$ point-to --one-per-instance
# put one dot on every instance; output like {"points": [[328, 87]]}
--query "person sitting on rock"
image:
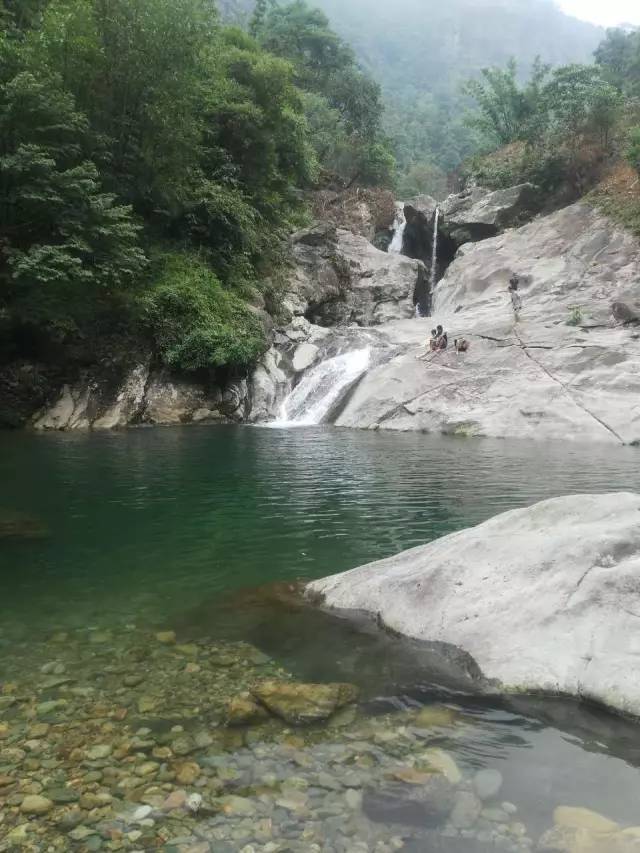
{"points": [[442, 341], [433, 340], [461, 345]]}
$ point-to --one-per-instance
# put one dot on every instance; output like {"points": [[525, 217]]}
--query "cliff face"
{"points": [[567, 365], [560, 362]]}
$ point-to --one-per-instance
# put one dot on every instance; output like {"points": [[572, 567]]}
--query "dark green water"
{"points": [[146, 524], [162, 528]]}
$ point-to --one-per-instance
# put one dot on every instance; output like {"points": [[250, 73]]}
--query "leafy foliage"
{"points": [[422, 52], [126, 124], [196, 322], [344, 106], [633, 150], [557, 123], [619, 57]]}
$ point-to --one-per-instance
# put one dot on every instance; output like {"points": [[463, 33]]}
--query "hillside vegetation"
{"points": [[152, 160], [422, 52], [567, 129]]}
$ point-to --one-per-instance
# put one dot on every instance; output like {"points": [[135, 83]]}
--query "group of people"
{"points": [[439, 341]]}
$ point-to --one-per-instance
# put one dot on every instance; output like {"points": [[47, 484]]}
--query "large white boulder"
{"points": [[545, 598]]}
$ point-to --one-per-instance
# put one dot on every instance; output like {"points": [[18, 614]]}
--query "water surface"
{"points": [[176, 527]]}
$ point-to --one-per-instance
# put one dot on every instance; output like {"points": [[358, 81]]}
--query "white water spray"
{"points": [[434, 250], [313, 398], [399, 225]]}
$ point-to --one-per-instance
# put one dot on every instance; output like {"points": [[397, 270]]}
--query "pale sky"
{"points": [[607, 13]]}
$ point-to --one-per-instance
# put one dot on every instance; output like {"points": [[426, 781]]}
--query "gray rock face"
{"points": [[340, 279], [479, 213], [534, 375], [142, 396], [544, 599]]}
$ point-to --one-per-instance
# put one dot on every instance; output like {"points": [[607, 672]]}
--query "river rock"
{"points": [[466, 810], [428, 804], [35, 804], [487, 783], [243, 710], [565, 567], [298, 704], [580, 818]]}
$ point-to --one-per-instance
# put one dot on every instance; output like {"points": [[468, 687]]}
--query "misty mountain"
{"points": [[421, 51]]}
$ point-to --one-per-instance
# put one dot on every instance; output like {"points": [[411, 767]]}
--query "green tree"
{"points": [[196, 323], [577, 103], [633, 149], [351, 109], [65, 242], [619, 58], [507, 111]]}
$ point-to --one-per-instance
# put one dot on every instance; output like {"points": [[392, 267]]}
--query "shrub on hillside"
{"points": [[195, 322], [633, 151]]}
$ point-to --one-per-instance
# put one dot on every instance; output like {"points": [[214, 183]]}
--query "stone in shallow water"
{"points": [[487, 783], [35, 804], [413, 805], [61, 796], [99, 751], [243, 710], [438, 759], [466, 810], [436, 716], [298, 704], [578, 818]]}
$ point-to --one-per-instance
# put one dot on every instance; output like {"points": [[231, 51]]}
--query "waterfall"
{"points": [[313, 398], [399, 224], [434, 250]]}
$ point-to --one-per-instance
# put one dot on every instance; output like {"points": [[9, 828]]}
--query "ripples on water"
{"points": [[165, 517]]}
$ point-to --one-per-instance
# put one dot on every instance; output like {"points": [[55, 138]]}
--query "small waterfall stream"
{"points": [[434, 250], [313, 398], [399, 225]]}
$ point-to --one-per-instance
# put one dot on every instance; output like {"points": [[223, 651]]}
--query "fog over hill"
{"points": [[421, 51]]}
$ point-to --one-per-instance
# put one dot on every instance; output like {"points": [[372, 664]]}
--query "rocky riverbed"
{"points": [[127, 740]]}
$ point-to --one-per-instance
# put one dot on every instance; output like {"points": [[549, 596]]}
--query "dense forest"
{"points": [[154, 156], [423, 52], [152, 159]]}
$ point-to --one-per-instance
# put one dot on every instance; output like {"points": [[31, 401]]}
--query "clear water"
{"points": [[154, 521], [170, 527]]}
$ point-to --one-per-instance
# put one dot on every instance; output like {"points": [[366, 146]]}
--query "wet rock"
{"points": [[36, 805], [579, 818], [243, 710], [298, 704], [436, 716], [439, 760], [175, 800], [487, 783], [428, 804], [466, 810], [62, 796], [166, 637], [99, 751], [188, 773]]}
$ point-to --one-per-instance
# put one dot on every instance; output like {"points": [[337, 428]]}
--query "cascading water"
{"points": [[434, 250], [313, 398], [399, 225]]}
